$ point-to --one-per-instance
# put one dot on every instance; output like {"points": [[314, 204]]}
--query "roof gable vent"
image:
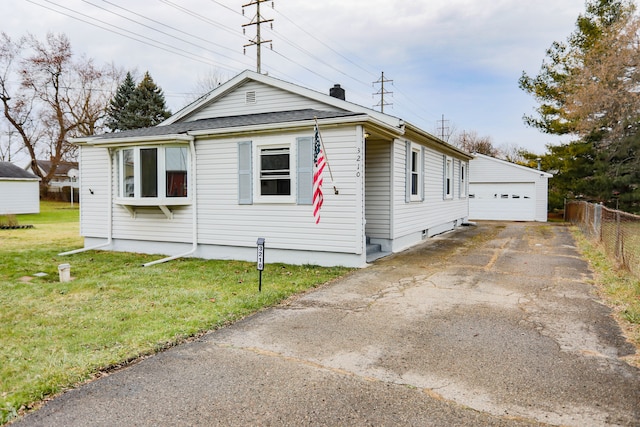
{"points": [[250, 97]]}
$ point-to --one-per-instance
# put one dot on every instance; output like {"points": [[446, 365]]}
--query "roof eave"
{"points": [[515, 165], [272, 127], [140, 140], [437, 142]]}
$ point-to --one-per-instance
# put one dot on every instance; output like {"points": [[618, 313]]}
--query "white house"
{"points": [[65, 176], [501, 190], [237, 165], [19, 190]]}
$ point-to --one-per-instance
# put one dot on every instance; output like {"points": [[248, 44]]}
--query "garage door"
{"points": [[502, 201]]}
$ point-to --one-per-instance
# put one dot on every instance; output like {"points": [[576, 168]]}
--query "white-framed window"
{"points": [[463, 179], [448, 177], [415, 173], [150, 172], [275, 171]]}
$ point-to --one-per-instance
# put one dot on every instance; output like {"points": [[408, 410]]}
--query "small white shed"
{"points": [[19, 190], [501, 190]]}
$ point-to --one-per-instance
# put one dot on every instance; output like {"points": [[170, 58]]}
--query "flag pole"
{"points": [[326, 159]]}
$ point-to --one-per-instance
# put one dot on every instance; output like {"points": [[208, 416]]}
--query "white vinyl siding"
{"points": [[19, 196], [434, 212], [378, 189], [94, 166], [146, 222], [267, 100], [542, 199], [221, 221]]}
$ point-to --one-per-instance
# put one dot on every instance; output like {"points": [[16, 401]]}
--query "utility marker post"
{"points": [[260, 262]]}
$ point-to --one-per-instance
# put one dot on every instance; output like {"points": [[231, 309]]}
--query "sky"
{"points": [[457, 60]]}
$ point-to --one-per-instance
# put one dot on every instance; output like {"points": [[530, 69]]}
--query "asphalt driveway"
{"points": [[489, 325]]}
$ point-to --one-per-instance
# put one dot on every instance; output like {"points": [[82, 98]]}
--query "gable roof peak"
{"points": [[248, 75]]}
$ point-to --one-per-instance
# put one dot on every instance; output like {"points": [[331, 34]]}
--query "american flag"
{"points": [[319, 163]]}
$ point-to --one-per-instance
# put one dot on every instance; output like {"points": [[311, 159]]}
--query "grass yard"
{"points": [[618, 288], [55, 335]]}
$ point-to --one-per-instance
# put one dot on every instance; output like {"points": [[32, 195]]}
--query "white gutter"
{"points": [[138, 140], [194, 216], [109, 216]]}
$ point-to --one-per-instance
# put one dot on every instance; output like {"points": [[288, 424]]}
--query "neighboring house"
{"points": [[19, 190], [501, 190], [66, 174], [237, 165]]}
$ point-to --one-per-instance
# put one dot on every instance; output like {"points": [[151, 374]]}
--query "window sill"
{"points": [[274, 200], [163, 204]]}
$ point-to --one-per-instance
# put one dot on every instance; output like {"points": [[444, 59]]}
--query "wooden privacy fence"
{"points": [[619, 232]]}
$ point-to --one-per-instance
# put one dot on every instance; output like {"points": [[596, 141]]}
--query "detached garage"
{"points": [[19, 190], [501, 190]]}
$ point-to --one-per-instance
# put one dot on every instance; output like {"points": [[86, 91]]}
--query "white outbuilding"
{"points": [[501, 190], [19, 190]]}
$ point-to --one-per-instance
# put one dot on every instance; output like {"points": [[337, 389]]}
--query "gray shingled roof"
{"points": [[230, 122], [9, 170], [61, 170]]}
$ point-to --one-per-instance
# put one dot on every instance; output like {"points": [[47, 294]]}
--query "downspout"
{"points": [[194, 206], [109, 214]]}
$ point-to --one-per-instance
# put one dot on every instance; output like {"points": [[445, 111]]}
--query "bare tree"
{"points": [[48, 97], [605, 96], [472, 143], [513, 153], [205, 84], [10, 147]]}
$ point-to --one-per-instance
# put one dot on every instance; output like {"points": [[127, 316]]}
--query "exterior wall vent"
{"points": [[250, 97]]}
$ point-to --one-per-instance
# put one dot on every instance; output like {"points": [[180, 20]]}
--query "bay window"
{"points": [[153, 172]]}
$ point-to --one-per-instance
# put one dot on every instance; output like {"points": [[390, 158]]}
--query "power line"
{"points": [[168, 31], [257, 41], [382, 92], [201, 18], [444, 130], [321, 42], [168, 26], [149, 41], [157, 30]]}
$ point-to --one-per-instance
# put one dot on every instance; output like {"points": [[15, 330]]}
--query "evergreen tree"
{"points": [[149, 104], [587, 87], [135, 107], [119, 114]]}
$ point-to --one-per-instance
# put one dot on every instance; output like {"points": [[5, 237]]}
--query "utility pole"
{"points": [[257, 21], [382, 92], [444, 130]]}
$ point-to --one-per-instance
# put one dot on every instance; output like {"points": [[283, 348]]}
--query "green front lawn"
{"points": [[56, 335]]}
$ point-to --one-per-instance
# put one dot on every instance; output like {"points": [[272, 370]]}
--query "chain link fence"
{"points": [[619, 232]]}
